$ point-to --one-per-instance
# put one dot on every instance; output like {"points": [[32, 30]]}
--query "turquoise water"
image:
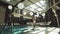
{"points": [[18, 29], [21, 29], [12, 30]]}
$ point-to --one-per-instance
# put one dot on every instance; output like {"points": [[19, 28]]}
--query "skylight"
{"points": [[37, 7]]}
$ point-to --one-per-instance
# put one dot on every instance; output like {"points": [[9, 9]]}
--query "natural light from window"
{"points": [[37, 7]]}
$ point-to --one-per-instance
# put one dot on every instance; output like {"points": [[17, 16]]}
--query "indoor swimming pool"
{"points": [[28, 30]]}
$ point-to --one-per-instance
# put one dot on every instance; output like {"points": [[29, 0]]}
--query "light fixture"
{"points": [[10, 7], [20, 6], [8, 0], [31, 13], [43, 14], [24, 13]]}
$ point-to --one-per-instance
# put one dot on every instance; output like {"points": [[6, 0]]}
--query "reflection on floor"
{"points": [[28, 30]]}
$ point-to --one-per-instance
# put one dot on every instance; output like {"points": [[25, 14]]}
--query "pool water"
{"points": [[12, 30], [27, 30]]}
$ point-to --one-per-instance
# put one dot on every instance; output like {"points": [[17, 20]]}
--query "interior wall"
{"points": [[2, 14]]}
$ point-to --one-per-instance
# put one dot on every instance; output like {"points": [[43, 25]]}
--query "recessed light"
{"points": [[10, 7], [31, 13], [20, 6], [24, 13]]}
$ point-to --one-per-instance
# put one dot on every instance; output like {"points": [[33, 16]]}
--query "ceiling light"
{"points": [[31, 13], [24, 13], [10, 7], [20, 6], [43, 14]]}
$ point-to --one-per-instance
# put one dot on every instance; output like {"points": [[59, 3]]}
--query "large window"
{"points": [[38, 6]]}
